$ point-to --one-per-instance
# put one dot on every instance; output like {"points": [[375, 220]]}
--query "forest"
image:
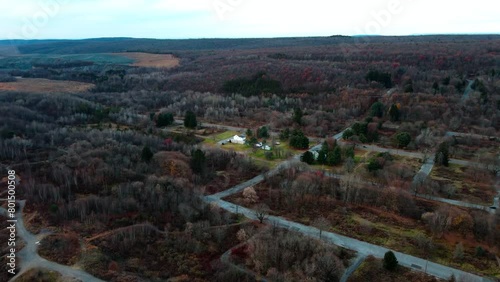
{"points": [[129, 180]]}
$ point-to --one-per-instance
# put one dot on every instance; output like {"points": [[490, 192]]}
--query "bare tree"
{"points": [[322, 224], [261, 211], [250, 196]]}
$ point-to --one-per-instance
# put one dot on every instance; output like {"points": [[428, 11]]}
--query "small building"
{"points": [[315, 155], [238, 140]]}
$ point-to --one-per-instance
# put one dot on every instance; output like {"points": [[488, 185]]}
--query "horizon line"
{"points": [[239, 38]]}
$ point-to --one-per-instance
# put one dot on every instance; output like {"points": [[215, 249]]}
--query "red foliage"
{"points": [[240, 252]]}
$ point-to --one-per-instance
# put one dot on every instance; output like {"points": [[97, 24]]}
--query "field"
{"points": [[372, 270], [151, 60], [40, 85], [471, 185], [380, 226], [397, 172]]}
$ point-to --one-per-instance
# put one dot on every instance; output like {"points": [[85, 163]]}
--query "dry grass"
{"points": [[372, 270], [40, 85], [152, 60]]}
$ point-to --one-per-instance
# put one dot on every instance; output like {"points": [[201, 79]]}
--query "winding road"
{"points": [[29, 258], [362, 248]]}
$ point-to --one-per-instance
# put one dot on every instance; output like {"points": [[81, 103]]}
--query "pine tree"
{"points": [[307, 158], [198, 161], [394, 113], [442, 154], [190, 120], [297, 116], [390, 261], [147, 154]]}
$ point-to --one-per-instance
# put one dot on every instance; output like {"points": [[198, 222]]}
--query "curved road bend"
{"points": [[29, 257], [363, 248]]}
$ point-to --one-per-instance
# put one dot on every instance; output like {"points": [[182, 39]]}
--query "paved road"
{"points": [[416, 155], [424, 172], [361, 247], [225, 258], [457, 203], [240, 187], [472, 135], [226, 127], [352, 268], [468, 90], [29, 258]]}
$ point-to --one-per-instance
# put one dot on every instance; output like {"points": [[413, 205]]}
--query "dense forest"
{"points": [[108, 169]]}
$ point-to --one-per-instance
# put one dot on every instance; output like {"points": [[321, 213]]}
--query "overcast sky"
{"points": [[72, 19]]}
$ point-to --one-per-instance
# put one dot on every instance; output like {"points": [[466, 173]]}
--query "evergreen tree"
{"points": [[297, 116], [165, 119], [198, 161], [377, 110], [147, 154], [307, 158], [190, 120], [390, 261], [334, 157], [249, 133], [285, 134], [442, 154], [298, 140], [394, 113], [263, 132], [403, 139], [347, 134], [435, 86]]}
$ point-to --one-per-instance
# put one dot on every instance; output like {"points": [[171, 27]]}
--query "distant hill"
{"points": [[109, 45]]}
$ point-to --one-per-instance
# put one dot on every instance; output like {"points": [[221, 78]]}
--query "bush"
{"points": [[256, 85], [390, 261], [403, 139], [307, 158], [298, 140], [165, 119], [380, 77]]}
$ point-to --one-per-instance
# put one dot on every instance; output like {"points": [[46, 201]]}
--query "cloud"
{"points": [[242, 18]]}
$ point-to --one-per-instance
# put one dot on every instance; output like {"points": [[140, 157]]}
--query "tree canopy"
{"points": [[190, 120]]}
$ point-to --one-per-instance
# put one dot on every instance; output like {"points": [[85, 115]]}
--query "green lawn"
{"points": [[213, 139]]}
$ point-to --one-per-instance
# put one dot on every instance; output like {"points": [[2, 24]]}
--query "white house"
{"points": [[238, 140], [315, 155]]}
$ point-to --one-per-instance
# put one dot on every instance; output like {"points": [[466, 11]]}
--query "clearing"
{"points": [[40, 85], [468, 184], [152, 60]]}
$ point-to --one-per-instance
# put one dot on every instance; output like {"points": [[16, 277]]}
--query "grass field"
{"points": [[469, 184], [372, 270], [213, 139], [384, 228], [39, 85], [151, 60]]}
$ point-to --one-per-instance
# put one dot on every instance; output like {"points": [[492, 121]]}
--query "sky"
{"points": [[177, 19]]}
